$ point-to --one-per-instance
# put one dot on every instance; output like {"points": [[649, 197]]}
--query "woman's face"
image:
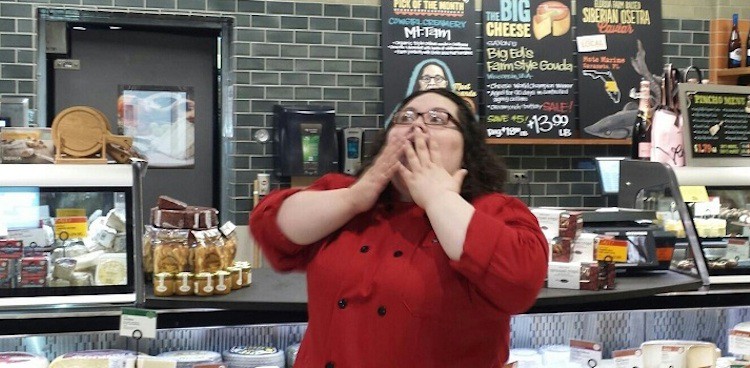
{"points": [[449, 138], [432, 76]]}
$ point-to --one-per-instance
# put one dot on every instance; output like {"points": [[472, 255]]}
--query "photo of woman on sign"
{"points": [[428, 74]]}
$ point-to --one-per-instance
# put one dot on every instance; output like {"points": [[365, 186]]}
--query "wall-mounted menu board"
{"points": [[428, 44], [528, 69], [717, 124], [608, 33]]}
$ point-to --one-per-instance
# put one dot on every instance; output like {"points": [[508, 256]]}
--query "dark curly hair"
{"points": [[487, 173]]}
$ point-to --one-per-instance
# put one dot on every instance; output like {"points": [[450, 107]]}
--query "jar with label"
{"points": [[236, 276], [247, 274], [222, 282], [164, 284], [184, 284], [203, 284]]}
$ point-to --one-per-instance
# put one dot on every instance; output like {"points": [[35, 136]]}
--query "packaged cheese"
{"points": [[22, 360], [95, 359], [111, 270]]}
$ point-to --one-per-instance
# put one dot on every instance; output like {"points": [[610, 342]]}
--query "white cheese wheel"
{"points": [[112, 269], [254, 356]]}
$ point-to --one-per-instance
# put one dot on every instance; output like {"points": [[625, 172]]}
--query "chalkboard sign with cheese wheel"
{"points": [[528, 69]]}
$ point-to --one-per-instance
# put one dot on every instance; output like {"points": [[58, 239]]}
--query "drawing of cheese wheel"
{"points": [[552, 17]]}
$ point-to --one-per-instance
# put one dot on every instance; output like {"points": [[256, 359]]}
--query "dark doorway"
{"points": [[174, 53]]}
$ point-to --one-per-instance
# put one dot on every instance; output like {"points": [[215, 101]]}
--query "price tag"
{"points": [[737, 249], [629, 358], [586, 353], [738, 342], [138, 323], [70, 212], [694, 193], [71, 227], [612, 250]]}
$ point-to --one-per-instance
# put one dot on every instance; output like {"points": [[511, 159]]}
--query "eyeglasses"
{"points": [[428, 78], [432, 117]]}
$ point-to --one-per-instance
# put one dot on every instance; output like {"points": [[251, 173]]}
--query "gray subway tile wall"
{"points": [[319, 53]]}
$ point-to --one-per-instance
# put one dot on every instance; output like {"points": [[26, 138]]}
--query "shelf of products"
{"points": [[712, 232], [68, 235], [718, 51]]}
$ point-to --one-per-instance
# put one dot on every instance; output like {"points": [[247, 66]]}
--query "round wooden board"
{"points": [[79, 131]]}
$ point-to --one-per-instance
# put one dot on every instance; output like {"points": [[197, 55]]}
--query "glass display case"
{"points": [[68, 234], [707, 208]]}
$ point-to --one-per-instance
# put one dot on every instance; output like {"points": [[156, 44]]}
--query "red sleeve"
{"points": [[280, 252], [505, 253]]}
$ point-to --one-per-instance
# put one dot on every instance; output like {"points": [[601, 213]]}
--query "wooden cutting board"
{"points": [[82, 131]]}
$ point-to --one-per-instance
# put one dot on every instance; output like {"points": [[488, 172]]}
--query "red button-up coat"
{"points": [[382, 293]]}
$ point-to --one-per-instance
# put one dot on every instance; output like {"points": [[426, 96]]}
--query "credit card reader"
{"points": [[352, 150]]}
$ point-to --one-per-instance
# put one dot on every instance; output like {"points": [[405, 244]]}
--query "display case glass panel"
{"points": [[707, 209], [71, 242]]}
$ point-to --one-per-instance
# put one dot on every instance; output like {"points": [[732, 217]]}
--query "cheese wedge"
{"points": [[552, 17]]}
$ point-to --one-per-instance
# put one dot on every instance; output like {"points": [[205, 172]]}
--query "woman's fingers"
{"points": [[434, 152], [420, 145], [411, 156]]}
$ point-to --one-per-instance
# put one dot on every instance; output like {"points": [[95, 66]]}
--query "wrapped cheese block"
{"points": [[95, 359], [169, 203], [22, 360], [189, 358], [190, 218]]}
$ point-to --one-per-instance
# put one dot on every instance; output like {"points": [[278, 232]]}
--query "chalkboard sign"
{"points": [[528, 69], [619, 43], [717, 124], [426, 45]]}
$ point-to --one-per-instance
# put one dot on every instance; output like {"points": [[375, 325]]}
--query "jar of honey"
{"points": [[247, 274], [236, 276], [183, 284], [222, 282], [203, 284], [164, 284]]}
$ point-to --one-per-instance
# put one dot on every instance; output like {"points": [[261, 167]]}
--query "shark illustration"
{"points": [[616, 126], [620, 124]]}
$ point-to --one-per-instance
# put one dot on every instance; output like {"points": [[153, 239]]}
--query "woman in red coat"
{"points": [[420, 260]]}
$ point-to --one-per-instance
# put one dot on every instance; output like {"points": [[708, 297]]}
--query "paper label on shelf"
{"points": [[694, 193], [737, 249], [586, 353], [591, 43], [738, 342], [138, 323], [70, 227], [629, 358], [612, 250], [151, 362], [709, 208], [118, 362], [70, 212], [672, 356]]}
